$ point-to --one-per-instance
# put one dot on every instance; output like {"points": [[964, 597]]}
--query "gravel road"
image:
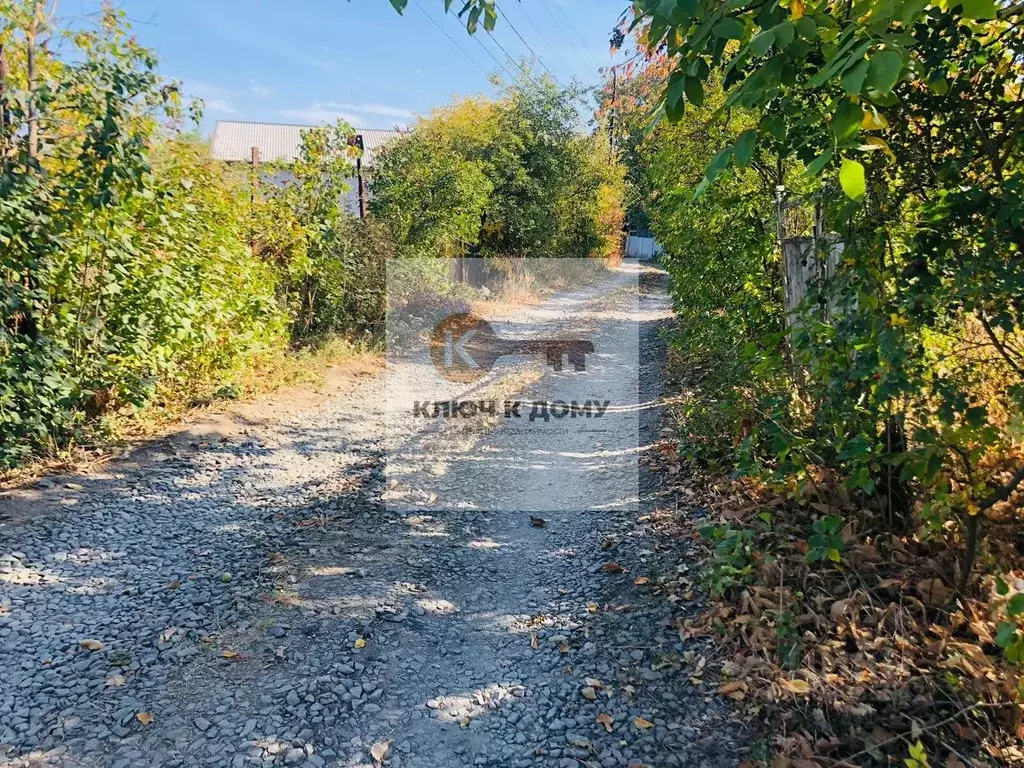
{"points": [[255, 602]]}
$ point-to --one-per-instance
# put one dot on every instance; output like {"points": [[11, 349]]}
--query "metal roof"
{"points": [[233, 140]]}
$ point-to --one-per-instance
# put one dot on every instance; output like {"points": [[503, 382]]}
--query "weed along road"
{"points": [[355, 586]]}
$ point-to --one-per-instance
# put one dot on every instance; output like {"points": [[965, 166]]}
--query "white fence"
{"points": [[642, 247]]}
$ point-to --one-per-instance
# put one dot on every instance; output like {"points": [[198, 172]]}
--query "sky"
{"points": [[311, 61]]}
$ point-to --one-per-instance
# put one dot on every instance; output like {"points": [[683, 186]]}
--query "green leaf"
{"points": [[1016, 605], [729, 28], [938, 84], [1002, 588], [399, 5], [806, 28], [846, 119], [775, 126], [676, 88], [979, 9], [719, 163], [666, 8], [784, 34], [1005, 633], [744, 149], [762, 42], [853, 79], [815, 166], [694, 90], [490, 18], [912, 10], [851, 178], [884, 70], [674, 110]]}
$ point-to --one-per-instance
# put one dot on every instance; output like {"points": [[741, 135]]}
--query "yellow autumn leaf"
{"points": [[642, 724], [801, 687], [91, 645], [876, 142], [873, 120], [360, 643], [796, 8], [227, 653], [145, 718], [592, 607], [640, 580]]}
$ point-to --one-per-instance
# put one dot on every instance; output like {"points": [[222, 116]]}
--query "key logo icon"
{"points": [[464, 348]]}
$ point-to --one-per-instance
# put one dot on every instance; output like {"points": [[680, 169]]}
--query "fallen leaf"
{"points": [[538, 522], [605, 720], [564, 647], [589, 693], [360, 643], [173, 584], [116, 681], [641, 580], [227, 653], [934, 592], [797, 686], [145, 718], [379, 751], [91, 645], [643, 724], [534, 641], [593, 682], [612, 568], [592, 607], [731, 689]]}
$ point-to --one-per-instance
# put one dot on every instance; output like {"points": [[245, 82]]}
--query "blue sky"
{"points": [[305, 61]]}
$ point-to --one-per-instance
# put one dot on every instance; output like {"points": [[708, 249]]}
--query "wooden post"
{"points": [[3, 88], [359, 186]]}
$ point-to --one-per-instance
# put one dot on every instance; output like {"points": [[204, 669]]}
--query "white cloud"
{"points": [[374, 109], [358, 115], [216, 106], [259, 90], [318, 113]]}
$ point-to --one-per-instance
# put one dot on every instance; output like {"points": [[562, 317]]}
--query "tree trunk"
{"points": [[30, 53], [971, 551]]}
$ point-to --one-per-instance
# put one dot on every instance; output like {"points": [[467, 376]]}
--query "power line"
{"points": [[572, 27], [536, 29], [519, 64], [495, 58], [528, 47], [451, 39]]}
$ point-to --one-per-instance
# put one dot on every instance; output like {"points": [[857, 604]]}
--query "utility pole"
{"points": [[611, 112], [357, 142], [3, 88]]}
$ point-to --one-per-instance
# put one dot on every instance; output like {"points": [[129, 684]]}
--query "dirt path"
{"points": [[264, 605]]}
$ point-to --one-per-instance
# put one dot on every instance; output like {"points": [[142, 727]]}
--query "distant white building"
{"points": [[235, 141]]}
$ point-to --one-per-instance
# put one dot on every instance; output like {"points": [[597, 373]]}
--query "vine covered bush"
{"points": [[132, 265]]}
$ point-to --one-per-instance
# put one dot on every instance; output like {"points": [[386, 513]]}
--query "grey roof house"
{"points": [[234, 140]]}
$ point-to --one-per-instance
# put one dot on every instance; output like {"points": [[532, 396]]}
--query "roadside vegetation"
{"points": [[859, 456], [138, 274]]}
